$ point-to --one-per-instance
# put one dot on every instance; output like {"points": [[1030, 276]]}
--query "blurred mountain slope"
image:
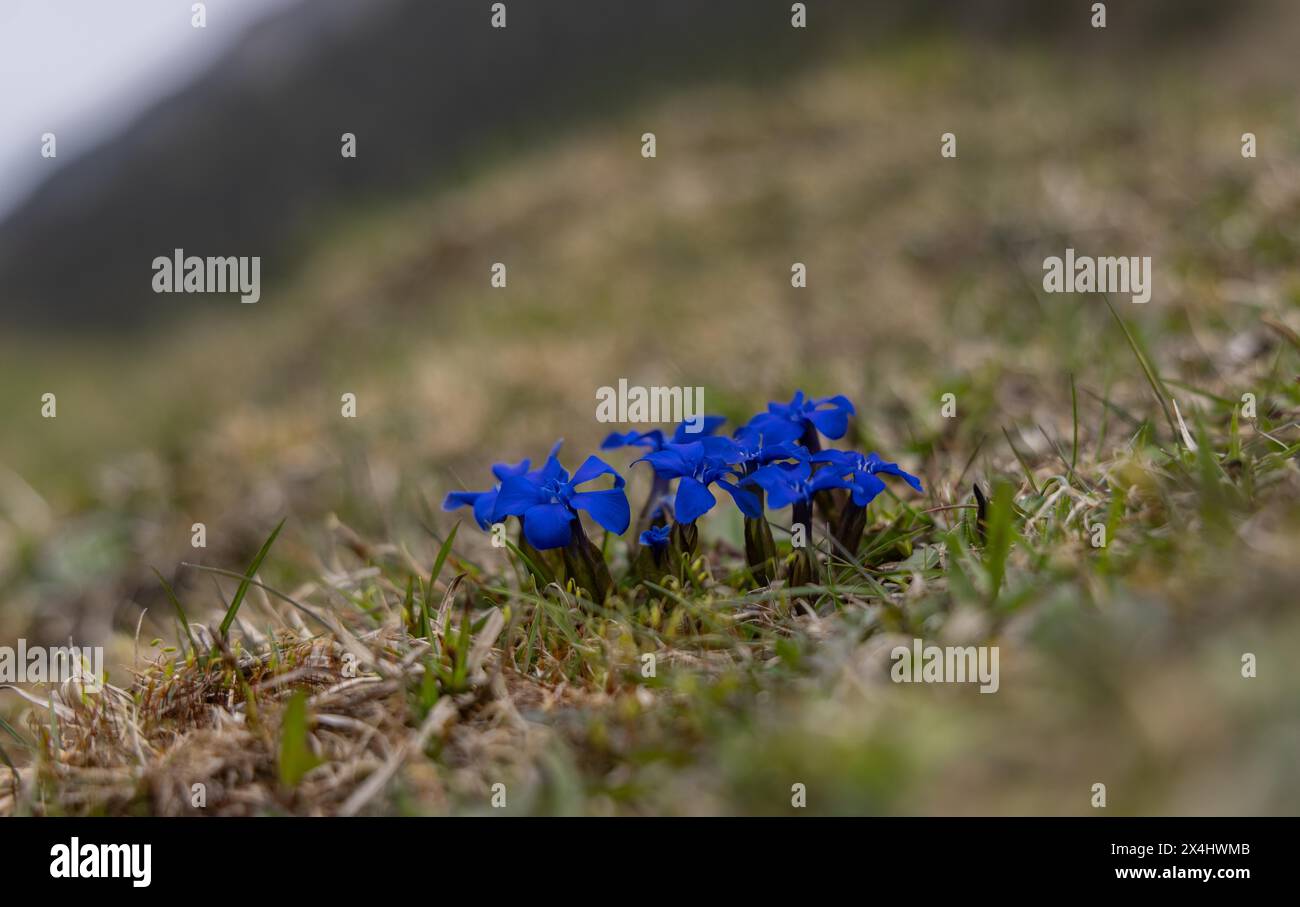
{"points": [[246, 161]]}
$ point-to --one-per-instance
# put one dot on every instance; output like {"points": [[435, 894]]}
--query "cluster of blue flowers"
{"points": [[776, 455]]}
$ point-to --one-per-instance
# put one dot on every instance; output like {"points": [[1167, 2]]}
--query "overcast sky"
{"points": [[83, 69]]}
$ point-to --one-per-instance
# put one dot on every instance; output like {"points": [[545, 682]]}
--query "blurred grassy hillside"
{"points": [[924, 278]]}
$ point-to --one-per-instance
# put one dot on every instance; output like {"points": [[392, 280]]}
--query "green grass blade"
{"points": [[1020, 458], [1157, 386], [185, 621], [543, 577], [443, 553], [248, 578], [296, 757], [9, 729], [1001, 534], [1074, 413]]}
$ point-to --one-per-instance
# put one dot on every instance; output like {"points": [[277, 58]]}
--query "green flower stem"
{"points": [[760, 547], [849, 527], [649, 513], [803, 568], [683, 544], [584, 564]]}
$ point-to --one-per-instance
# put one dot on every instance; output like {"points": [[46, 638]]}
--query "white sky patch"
{"points": [[83, 69]]}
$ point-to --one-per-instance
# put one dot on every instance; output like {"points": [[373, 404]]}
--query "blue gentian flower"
{"points": [[483, 502], [865, 482], [656, 537], [794, 483], [548, 502], [654, 439], [828, 415], [762, 444], [696, 466]]}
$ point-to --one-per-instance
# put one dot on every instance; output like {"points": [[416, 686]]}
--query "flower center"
{"points": [[554, 489]]}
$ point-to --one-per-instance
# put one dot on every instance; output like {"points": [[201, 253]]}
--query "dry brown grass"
{"points": [[186, 722]]}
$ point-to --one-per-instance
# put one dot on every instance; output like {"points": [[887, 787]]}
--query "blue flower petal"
{"points": [[723, 451], [503, 471], [517, 494], [783, 483], [778, 476], [656, 536], [482, 501], [824, 479], [788, 410], [766, 429], [693, 500], [832, 423], [874, 464], [708, 425], [457, 499], [746, 500], [592, 468], [653, 439], [668, 463], [865, 488], [840, 401], [548, 526], [838, 461], [609, 508], [783, 496], [551, 470], [786, 450], [484, 507]]}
